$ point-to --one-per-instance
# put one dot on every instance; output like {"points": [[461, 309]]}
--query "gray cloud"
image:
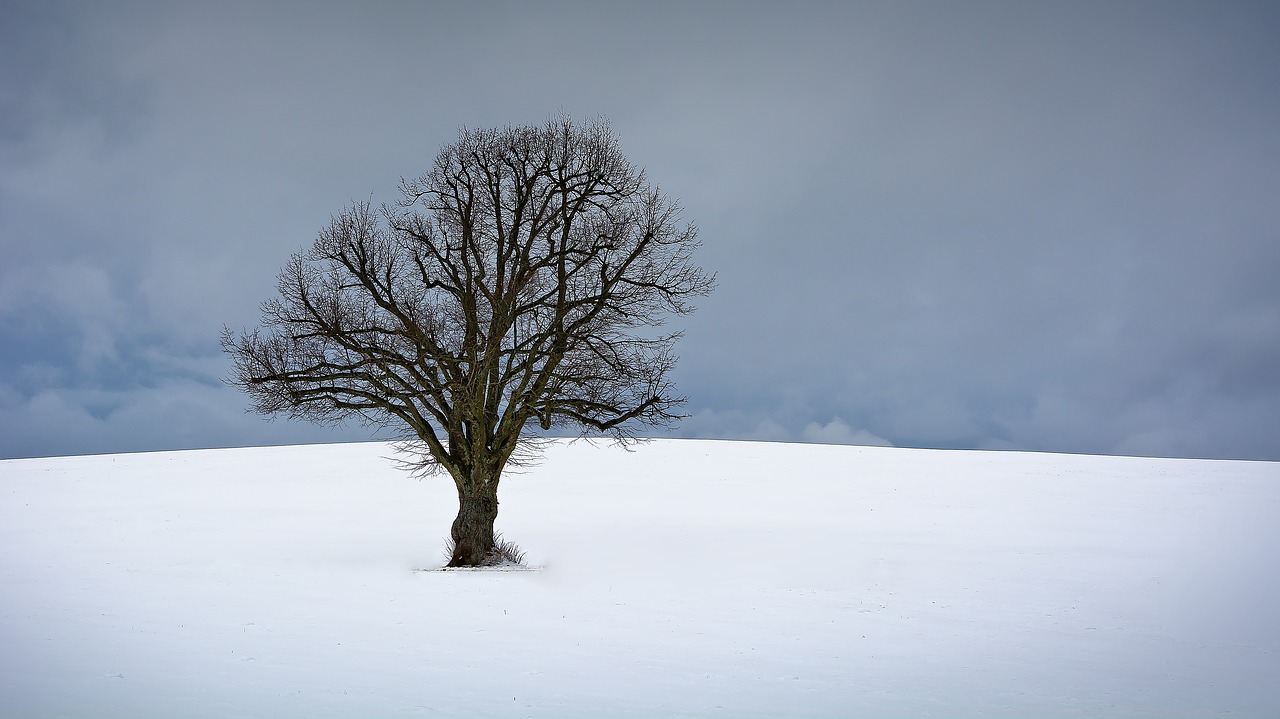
{"points": [[1034, 226]]}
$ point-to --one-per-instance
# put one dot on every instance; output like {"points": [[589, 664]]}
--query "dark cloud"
{"points": [[1040, 226]]}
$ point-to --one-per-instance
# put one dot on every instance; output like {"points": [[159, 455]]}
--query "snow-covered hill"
{"points": [[686, 578]]}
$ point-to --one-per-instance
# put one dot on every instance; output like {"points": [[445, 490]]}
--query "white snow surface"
{"points": [[682, 579]]}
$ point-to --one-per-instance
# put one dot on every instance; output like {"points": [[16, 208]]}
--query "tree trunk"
{"points": [[473, 528]]}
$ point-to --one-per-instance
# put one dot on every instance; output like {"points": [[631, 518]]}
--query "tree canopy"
{"points": [[523, 281]]}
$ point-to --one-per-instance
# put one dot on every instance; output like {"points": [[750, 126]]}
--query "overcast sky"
{"points": [[1034, 225]]}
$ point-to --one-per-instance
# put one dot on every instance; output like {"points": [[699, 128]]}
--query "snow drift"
{"points": [[686, 578]]}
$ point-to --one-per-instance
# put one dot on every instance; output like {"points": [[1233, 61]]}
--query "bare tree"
{"points": [[521, 282]]}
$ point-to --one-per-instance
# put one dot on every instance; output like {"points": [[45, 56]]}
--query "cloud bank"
{"points": [[1038, 227]]}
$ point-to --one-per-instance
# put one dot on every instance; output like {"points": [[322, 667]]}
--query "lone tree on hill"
{"points": [[514, 285]]}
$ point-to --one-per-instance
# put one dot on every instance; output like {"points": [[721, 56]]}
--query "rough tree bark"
{"points": [[517, 284], [472, 532]]}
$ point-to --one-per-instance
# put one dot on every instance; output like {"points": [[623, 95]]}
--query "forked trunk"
{"points": [[473, 528]]}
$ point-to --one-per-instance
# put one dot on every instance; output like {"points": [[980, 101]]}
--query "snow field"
{"points": [[686, 578]]}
